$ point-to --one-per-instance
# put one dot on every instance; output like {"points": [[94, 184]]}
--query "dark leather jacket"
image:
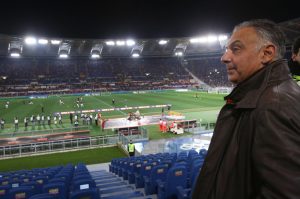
{"points": [[255, 149]]}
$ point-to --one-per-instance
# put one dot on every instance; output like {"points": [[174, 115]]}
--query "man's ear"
{"points": [[268, 53]]}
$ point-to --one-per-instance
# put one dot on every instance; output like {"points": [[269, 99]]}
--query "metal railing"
{"points": [[70, 144], [54, 146], [200, 128]]}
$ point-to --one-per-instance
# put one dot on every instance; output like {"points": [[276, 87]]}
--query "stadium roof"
{"points": [[124, 47]]}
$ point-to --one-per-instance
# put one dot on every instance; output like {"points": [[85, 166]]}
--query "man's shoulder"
{"points": [[286, 93]]}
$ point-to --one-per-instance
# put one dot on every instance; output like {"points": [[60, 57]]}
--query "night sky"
{"points": [[113, 19]]}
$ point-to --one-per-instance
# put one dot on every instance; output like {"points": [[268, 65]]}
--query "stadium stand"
{"points": [[28, 77]]}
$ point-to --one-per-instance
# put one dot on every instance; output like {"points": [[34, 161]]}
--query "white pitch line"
{"points": [[103, 102]]}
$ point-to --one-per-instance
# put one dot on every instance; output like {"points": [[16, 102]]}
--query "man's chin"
{"points": [[233, 80]]}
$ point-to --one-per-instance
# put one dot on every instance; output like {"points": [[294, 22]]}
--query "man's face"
{"points": [[243, 56], [296, 57]]}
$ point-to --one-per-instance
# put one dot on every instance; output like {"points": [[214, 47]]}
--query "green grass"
{"points": [[89, 156], [204, 108]]}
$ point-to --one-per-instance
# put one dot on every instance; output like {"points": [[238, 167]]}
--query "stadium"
{"points": [[70, 107]]}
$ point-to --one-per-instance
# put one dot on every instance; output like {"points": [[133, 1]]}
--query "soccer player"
{"points": [[25, 122], [16, 123]]}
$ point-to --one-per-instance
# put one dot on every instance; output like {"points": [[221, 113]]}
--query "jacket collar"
{"points": [[247, 93]]}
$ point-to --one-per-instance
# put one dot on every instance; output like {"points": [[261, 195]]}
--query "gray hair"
{"points": [[268, 31]]}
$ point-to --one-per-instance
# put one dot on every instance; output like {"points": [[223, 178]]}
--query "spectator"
{"points": [[256, 142], [294, 62]]}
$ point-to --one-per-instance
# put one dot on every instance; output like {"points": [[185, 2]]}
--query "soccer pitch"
{"points": [[203, 108]]}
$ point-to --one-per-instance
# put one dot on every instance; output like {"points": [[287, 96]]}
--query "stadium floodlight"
{"points": [[194, 40], [64, 56], [95, 56], [130, 42], [43, 41], [120, 43], [137, 51], [135, 54], [162, 42], [15, 49], [15, 54], [212, 38], [222, 37], [96, 51], [30, 40], [178, 53], [198, 40], [55, 42], [64, 50], [110, 43], [180, 49]]}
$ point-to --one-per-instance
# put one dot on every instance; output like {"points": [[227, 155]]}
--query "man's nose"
{"points": [[225, 58]]}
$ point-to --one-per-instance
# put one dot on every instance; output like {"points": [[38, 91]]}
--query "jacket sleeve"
{"points": [[276, 152]]}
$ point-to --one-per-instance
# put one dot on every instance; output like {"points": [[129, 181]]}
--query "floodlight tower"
{"points": [[96, 51], [15, 48], [64, 50], [180, 48], [137, 50]]}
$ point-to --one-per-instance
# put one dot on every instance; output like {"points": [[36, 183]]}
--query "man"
{"points": [[25, 122], [38, 119], [255, 149], [160, 125], [49, 120], [16, 123], [131, 149], [6, 105], [71, 118], [43, 120], [76, 123], [2, 122], [294, 62]]}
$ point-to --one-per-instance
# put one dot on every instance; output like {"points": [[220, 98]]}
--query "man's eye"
{"points": [[235, 49]]}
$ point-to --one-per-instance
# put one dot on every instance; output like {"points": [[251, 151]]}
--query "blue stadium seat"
{"points": [[4, 191], [185, 193], [21, 192], [34, 186], [58, 189], [4, 181], [203, 153], [82, 177], [131, 174], [85, 194], [84, 184], [130, 166], [139, 177], [43, 196], [177, 176], [40, 182], [157, 172]]}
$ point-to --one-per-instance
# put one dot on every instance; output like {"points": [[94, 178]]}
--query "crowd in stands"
{"points": [[210, 70], [22, 77]]}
